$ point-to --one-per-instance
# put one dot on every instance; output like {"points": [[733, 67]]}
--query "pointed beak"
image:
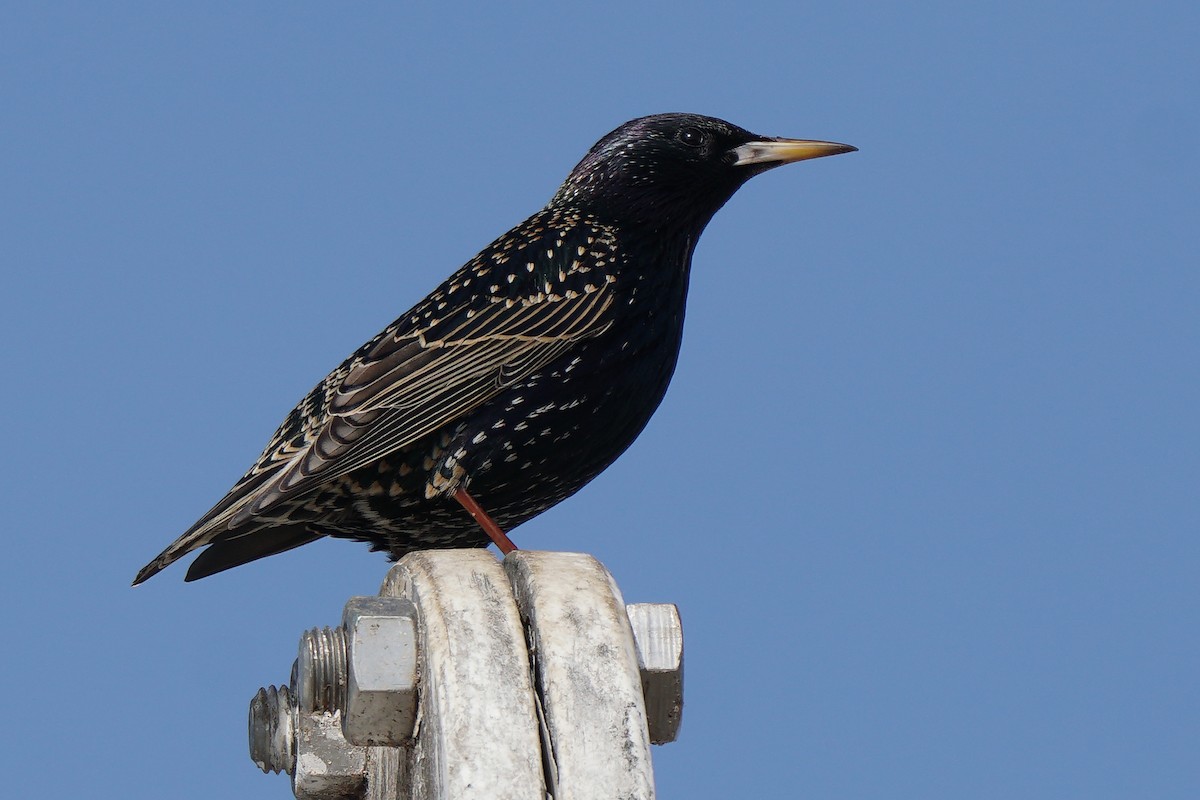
{"points": [[775, 152]]}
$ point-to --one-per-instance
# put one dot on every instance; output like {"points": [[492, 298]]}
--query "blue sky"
{"points": [[924, 486]]}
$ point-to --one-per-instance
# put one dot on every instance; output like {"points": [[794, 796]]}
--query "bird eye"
{"points": [[692, 137]]}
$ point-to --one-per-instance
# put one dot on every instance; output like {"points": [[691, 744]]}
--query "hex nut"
{"points": [[327, 766], [658, 639], [381, 685]]}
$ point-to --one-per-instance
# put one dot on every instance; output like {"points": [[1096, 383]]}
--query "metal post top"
{"points": [[468, 677]]}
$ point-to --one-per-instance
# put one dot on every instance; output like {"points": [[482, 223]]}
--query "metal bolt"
{"points": [[360, 678], [658, 639], [319, 677], [273, 730], [309, 747]]}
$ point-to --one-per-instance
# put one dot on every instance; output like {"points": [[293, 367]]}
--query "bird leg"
{"points": [[488, 524]]}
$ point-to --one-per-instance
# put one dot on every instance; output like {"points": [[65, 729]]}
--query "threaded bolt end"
{"points": [[273, 730], [319, 680]]}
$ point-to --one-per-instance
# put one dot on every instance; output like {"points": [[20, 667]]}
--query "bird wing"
{"points": [[408, 382], [408, 386]]}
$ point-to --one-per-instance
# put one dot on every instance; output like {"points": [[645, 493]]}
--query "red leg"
{"points": [[487, 523]]}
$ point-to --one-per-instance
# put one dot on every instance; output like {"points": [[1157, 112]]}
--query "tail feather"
{"points": [[212, 527], [234, 551], [226, 550], [175, 551]]}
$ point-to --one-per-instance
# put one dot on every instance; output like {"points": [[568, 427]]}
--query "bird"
{"points": [[518, 380]]}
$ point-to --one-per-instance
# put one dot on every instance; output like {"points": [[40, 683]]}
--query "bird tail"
{"points": [[227, 550], [233, 551], [179, 548], [212, 527]]}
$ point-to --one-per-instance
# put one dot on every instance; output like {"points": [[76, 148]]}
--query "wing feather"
{"points": [[401, 390]]}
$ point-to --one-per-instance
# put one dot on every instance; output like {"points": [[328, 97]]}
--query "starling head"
{"points": [[676, 169]]}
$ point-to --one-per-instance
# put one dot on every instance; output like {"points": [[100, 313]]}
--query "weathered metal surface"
{"points": [[477, 735], [327, 766], [319, 674], [385, 774], [467, 679], [586, 670], [658, 637], [381, 670], [273, 730]]}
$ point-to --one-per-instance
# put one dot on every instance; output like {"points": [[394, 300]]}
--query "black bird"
{"points": [[516, 381]]}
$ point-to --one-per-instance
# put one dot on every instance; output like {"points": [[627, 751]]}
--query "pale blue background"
{"points": [[925, 486]]}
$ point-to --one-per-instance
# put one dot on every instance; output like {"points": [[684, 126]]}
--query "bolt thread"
{"points": [[273, 730], [319, 678]]}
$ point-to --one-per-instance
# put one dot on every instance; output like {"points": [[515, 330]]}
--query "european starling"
{"points": [[518, 380]]}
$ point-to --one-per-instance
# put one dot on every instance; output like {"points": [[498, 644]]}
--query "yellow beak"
{"points": [[785, 151]]}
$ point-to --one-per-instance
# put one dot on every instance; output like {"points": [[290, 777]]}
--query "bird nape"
{"points": [[518, 380]]}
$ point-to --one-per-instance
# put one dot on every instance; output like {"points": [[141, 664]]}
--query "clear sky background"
{"points": [[925, 485]]}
